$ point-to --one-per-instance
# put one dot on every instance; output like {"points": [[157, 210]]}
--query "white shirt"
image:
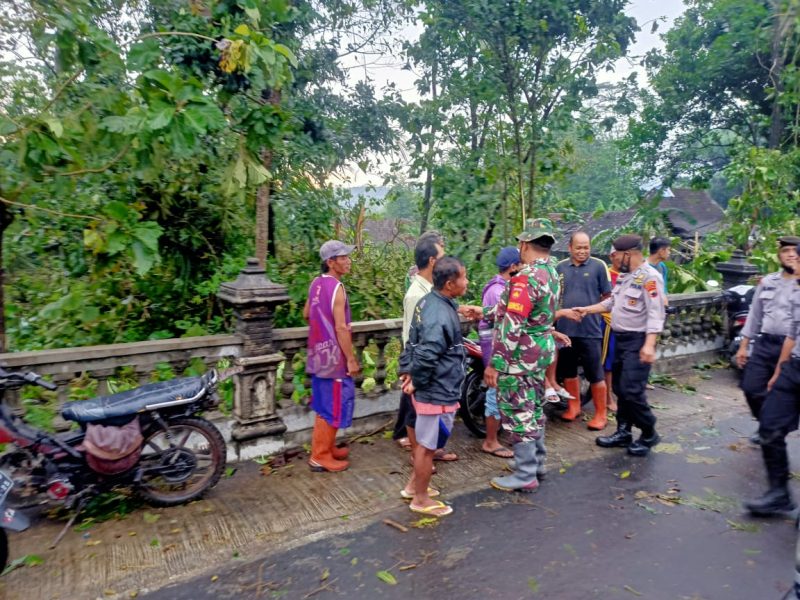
{"points": [[419, 287]]}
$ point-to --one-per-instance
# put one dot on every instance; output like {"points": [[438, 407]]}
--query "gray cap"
{"points": [[334, 248]]}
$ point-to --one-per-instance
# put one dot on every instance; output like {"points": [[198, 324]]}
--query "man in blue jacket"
{"points": [[432, 371]]}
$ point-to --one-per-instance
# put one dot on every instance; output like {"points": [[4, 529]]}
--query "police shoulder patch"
{"points": [[652, 288]]}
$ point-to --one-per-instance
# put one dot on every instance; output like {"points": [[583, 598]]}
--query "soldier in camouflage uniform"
{"points": [[522, 349]]}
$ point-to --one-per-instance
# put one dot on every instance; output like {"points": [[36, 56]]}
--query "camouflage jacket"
{"points": [[523, 341]]}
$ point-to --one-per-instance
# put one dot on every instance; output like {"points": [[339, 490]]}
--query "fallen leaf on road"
{"points": [[748, 527], [354, 562], [93, 543], [668, 448], [176, 530], [325, 574], [386, 577], [214, 578], [425, 522], [624, 474], [150, 517], [701, 460], [628, 588], [533, 585]]}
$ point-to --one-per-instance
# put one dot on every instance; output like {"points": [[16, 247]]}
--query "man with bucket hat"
{"points": [[522, 349], [331, 361]]}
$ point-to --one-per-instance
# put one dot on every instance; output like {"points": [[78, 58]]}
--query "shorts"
{"points": [[588, 352], [491, 409], [609, 340], [333, 400], [434, 430]]}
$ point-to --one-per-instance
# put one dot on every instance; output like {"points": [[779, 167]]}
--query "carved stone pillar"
{"points": [[254, 298], [736, 271]]}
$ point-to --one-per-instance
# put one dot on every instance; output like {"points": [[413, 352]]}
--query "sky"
{"points": [[389, 69]]}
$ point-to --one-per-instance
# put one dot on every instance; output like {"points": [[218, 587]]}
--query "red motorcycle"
{"points": [[473, 393], [148, 438]]}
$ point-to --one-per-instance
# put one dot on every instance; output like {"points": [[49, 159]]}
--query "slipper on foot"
{"points": [[430, 510], [445, 456], [432, 493], [500, 452], [404, 443]]}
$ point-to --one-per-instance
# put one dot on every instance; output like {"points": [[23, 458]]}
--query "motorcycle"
{"points": [[737, 306], [174, 456], [473, 392]]}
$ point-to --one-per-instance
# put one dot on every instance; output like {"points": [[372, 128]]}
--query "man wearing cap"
{"points": [[522, 349], [584, 281], [769, 320], [779, 416], [637, 317], [508, 264], [331, 361]]}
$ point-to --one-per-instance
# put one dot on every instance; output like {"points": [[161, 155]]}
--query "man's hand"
{"points": [[353, 368], [573, 314], [490, 377], [581, 310], [562, 339], [774, 378], [473, 313], [647, 354], [741, 358], [408, 386]]}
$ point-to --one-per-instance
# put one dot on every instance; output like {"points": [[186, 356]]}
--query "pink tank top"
{"points": [[325, 357]]}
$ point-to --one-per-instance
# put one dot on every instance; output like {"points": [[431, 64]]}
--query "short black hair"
{"points": [[657, 243], [446, 269], [425, 250], [325, 267], [434, 235]]}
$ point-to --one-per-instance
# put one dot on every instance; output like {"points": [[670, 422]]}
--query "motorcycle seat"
{"points": [[151, 396]]}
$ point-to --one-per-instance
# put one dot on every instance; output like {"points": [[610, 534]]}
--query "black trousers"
{"points": [[629, 380], [779, 417], [406, 417], [759, 369]]}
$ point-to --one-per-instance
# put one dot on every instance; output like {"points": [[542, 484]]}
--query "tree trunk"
{"points": [[427, 195], [262, 212], [783, 18], [5, 220]]}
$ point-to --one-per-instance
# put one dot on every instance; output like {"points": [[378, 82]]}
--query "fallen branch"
{"points": [[396, 525], [321, 588], [366, 435]]}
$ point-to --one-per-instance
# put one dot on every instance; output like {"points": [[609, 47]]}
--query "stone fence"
{"points": [[270, 410]]}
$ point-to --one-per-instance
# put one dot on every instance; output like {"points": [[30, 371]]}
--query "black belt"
{"points": [[771, 337]]}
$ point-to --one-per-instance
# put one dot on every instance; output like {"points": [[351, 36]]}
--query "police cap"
{"points": [[627, 242], [788, 240]]}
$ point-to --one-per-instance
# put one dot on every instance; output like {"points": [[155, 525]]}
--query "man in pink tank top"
{"points": [[331, 361]]}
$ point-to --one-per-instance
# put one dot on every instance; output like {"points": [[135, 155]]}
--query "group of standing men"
{"points": [[521, 351]]}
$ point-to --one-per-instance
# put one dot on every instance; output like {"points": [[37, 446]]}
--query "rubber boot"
{"points": [[599, 396], [573, 386], [523, 479], [541, 458], [777, 500], [622, 438], [323, 439], [339, 453]]}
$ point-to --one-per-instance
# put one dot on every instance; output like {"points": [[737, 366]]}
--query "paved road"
{"points": [[598, 530]]}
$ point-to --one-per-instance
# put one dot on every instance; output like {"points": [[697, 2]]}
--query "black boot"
{"points": [[755, 439], [641, 447], [776, 502], [621, 438]]}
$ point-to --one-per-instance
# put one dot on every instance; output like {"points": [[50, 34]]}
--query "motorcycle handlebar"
{"points": [[28, 377]]}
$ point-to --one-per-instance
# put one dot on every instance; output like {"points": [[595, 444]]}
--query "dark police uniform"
{"points": [[768, 322], [637, 308], [779, 417]]}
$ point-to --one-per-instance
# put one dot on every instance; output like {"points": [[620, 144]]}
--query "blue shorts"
{"points": [[333, 400], [491, 404]]}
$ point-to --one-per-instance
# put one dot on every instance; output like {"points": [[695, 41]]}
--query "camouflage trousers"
{"points": [[520, 399]]}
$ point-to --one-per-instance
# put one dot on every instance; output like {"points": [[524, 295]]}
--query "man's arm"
{"points": [[656, 313], [786, 352], [431, 346], [306, 310], [343, 335]]}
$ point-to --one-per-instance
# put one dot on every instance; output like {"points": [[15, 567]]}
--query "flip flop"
{"points": [[432, 493], [428, 510], [442, 456], [404, 443], [497, 452]]}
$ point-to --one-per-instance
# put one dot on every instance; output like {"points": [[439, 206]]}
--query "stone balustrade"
{"points": [[270, 408]]}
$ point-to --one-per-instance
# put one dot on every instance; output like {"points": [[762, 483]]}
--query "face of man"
{"points": [[579, 247], [340, 265], [455, 288], [663, 253], [788, 258], [615, 258]]}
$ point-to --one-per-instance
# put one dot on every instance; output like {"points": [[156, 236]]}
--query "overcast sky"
{"points": [[389, 69]]}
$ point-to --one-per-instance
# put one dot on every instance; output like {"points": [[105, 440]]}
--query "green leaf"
{"points": [[161, 118], [533, 585], [127, 124], [55, 126], [7, 126], [148, 233], [256, 173], [143, 258], [143, 55], [93, 240], [116, 243], [29, 560], [240, 172], [150, 517], [118, 211], [254, 14], [242, 30], [386, 577], [283, 50]]}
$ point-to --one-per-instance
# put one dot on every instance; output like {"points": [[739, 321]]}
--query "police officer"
{"points": [[637, 317], [779, 416], [768, 320]]}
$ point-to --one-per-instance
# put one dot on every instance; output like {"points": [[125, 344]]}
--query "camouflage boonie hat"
{"points": [[537, 228]]}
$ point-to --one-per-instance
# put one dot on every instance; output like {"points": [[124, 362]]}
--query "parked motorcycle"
{"points": [[737, 305], [473, 392], [148, 438]]}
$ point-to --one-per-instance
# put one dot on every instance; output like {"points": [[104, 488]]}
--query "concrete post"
{"points": [[736, 271], [254, 298]]}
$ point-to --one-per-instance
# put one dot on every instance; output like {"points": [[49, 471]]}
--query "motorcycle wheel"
{"points": [[3, 550], [473, 404], [181, 463]]}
